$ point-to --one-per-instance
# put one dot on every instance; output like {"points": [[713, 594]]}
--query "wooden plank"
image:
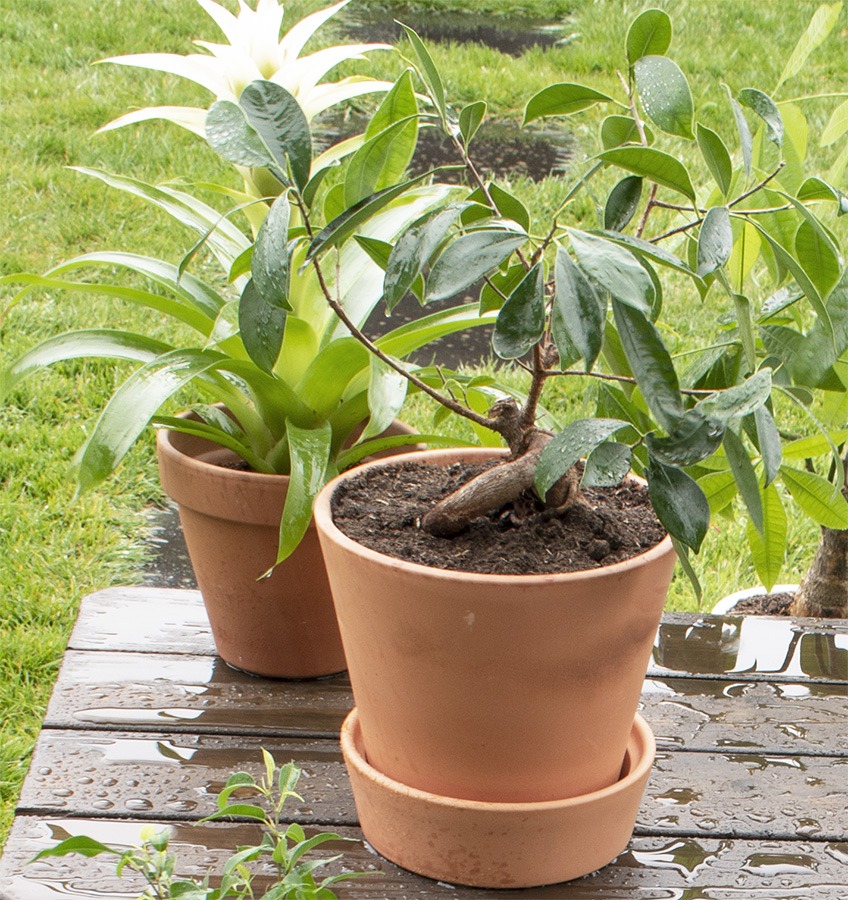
{"points": [[176, 776], [197, 694], [144, 620], [652, 868], [763, 648]]}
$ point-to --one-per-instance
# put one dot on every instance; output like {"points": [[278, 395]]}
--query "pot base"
{"points": [[497, 845]]}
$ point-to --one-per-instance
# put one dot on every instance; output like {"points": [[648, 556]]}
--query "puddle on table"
{"points": [[748, 645], [684, 856], [513, 35], [168, 565]]}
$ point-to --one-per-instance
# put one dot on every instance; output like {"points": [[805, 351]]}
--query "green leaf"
{"points": [[768, 548], [310, 453], [716, 156], [649, 34], [569, 446], [665, 95], [521, 321], [386, 395], [821, 500], [745, 476], [615, 269], [262, 326], [651, 364], [80, 844], [655, 165], [399, 104], [413, 250], [837, 125], [816, 445], [647, 250], [693, 438], [237, 811], [270, 262], [506, 204], [746, 141], [715, 241], [468, 258], [580, 310], [499, 285], [818, 257], [719, 488], [679, 503], [470, 119], [821, 24], [231, 136], [279, 121], [766, 109], [562, 100], [618, 130], [622, 203], [769, 443], [380, 161], [740, 400], [606, 465], [428, 72], [682, 552]]}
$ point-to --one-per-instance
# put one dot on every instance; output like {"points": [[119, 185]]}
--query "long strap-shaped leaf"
{"points": [[407, 338]]}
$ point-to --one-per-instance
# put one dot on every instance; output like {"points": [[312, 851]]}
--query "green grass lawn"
{"points": [[55, 549]]}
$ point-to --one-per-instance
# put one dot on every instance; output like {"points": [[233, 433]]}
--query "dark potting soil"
{"points": [[382, 510], [764, 605]]}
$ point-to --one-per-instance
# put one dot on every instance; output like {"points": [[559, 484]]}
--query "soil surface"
{"points": [[382, 510], [764, 605]]}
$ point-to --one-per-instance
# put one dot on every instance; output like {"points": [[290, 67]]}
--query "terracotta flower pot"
{"points": [[282, 626], [494, 688]]}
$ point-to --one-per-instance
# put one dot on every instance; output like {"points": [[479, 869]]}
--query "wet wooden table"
{"points": [[748, 799]]}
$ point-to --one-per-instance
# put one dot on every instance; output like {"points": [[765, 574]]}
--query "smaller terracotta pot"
{"points": [[726, 605], [282, 626], [499, 845]]}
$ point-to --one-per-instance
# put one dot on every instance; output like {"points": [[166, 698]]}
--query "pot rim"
{"points": [[641, 748], [323, 518]]}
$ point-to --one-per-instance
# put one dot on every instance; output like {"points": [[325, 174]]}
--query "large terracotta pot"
{"points": [[493, 688], [282, 626]]}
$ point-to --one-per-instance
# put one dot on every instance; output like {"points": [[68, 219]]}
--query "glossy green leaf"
{"points": [[580, 309], [769, 443], [323, 384], [821, 24], [428, 72], [665, 95], [649, 34], [280, 122], [86, 344], [499, 285], [613, 403], [740, 400], [679, 503], [648, 251], [360, 451], [719, 488], [716, 156], [767, 110], [562, 99], [521, 320], [607, 465], [746, 141], [509, 206], [270, 262], [386, 395], [468, 258], [615, 269], [310, 453], [818, 256], [262, 326], [399, 104], [409, 337], [381, 161], [80, 844], [837, 125], [818, 189], [655, 165], [813, 446], [715, 240], [622, 203], [470, 119], [683, 552], [617, 130], [745, 476], [569, 446], [132, 406], [768, 548], [232, 137], [237, 443], [693, 438], [821, 500], [651, 364]]}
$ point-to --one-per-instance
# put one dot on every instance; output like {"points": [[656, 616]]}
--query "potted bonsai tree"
{"points": [[287, 398], [495, 740]]}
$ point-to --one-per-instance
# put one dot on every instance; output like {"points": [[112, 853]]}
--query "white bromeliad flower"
{"points": [[255, 51]]}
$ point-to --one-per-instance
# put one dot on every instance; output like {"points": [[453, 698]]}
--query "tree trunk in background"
{"points": [[824, 589]]}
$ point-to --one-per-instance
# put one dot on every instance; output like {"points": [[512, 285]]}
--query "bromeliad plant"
{"points": [[752, 234], [284, 848], [262, 340]]}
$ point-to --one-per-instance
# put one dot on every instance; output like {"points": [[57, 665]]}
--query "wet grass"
{"points": [[56, 549]]}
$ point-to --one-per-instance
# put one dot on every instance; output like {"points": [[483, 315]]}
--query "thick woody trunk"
{"points": [[824, 589]]}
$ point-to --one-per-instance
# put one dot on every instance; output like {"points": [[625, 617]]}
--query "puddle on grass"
{"points": [[513, 35]]}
